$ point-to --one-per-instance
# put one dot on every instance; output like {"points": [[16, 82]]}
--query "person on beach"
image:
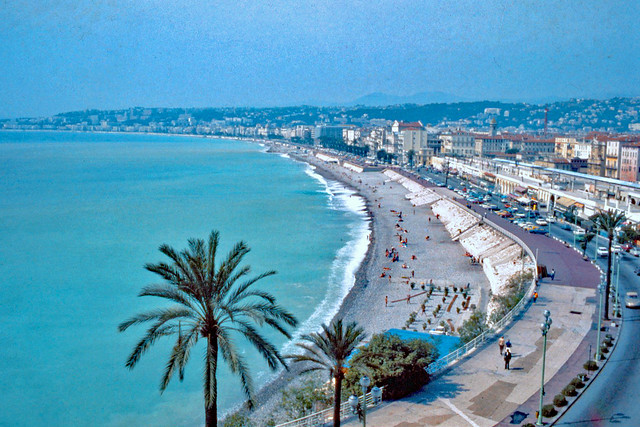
{"points": [[535, 297], [507, 359], [501, 345], [386, 303], [552, 274], [408, 298], [508, 344]]}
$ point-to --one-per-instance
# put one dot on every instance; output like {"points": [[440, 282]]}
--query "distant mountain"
{"points": [[378, 99]]}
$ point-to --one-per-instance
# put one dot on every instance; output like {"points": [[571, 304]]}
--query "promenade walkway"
{"points": [[478, 391]]}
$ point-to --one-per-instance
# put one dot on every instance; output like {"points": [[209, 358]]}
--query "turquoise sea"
{"points": [[80, 214]]}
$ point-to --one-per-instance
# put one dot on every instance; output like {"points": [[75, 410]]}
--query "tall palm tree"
{"points": [[212, 302], [328, 351], [585, 242], [608, 221]]}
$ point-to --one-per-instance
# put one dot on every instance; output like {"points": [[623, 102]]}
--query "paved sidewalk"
{"points": [[478, 391]]}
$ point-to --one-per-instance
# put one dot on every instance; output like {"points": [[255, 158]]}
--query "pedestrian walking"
{"points": [[386, 301], [552, 274], [535, 297], [501, 345], [408, 298], [508, 344], [507, 359]]}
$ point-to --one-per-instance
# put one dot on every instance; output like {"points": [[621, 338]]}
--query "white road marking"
{"points": [[459, 412]]}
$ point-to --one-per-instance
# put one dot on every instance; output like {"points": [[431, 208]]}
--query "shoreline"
{"points": [[440, 260]]}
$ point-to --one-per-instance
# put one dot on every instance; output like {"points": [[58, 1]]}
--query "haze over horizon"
{"points": [[78, 55]]}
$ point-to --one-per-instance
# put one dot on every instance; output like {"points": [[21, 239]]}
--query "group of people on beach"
{"points": [[393, 254]]}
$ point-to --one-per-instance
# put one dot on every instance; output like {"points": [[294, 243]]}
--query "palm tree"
{"points": [[210, 303], [608, 221], [410, 155], [328, 351], [585, 241]]}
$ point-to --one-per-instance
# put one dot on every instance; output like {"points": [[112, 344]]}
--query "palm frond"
{"points": [[160, 314], [177, 261], [242, 291], [153, 333], [214, 240], [268, 351], [170, 293]]}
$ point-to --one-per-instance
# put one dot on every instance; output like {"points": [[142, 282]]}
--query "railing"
{"points": [[440, 364], [320, 418]]}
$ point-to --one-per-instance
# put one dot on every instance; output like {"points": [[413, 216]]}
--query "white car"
{"points": [[541, 222], [616, 249], [635, 252], [579, 232], [551, 219], [631, 300], [602, 251]]}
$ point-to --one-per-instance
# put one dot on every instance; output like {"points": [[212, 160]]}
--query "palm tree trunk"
{"points": [[211, 404], [337, 392], [608, 287]]}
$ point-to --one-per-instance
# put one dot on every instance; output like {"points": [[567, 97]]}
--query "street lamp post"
{"points": [[601, 287], [353, 399], [595, 239], [364, 383], [616, 295], [544, 327]]}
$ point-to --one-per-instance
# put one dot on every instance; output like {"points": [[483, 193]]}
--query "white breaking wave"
{"points": [[347, 260]]}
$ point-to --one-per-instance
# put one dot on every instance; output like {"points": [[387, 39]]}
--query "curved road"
{"points": [[612, 398]]}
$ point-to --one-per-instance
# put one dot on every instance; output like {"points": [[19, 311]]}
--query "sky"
{"points": [[68, 55]]}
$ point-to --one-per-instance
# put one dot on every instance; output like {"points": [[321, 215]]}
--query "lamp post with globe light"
{"points": [[601, 289], [544, 327], [353, 399]]}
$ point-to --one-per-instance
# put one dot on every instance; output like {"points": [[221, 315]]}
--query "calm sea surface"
{"points": [[80, 214]]}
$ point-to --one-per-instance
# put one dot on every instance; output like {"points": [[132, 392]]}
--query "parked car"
{"points": [[565, 226], [626, 247], [602, 251], [551, 219], [616, 249], [631, 300], [635, 252], [538, 230], [541, 222]]}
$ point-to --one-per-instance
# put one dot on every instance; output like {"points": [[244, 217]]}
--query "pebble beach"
{"points": [[418, 238]]}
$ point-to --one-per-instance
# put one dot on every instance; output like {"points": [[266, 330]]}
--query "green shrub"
{"points": [[577, 383], [591, 365], [236, 420], [549, 411], [569, 390], [604, 348], [298, 401], [515, 290], [558, 401], [472, 327], [397, 365]]}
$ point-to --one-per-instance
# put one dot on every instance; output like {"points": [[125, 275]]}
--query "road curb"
{"points": [[592, 379]]}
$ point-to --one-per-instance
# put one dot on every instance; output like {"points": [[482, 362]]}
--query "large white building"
{"points": [[458, 143]]}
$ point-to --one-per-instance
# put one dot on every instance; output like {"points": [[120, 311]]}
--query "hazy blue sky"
{"points": [[74, 54]]}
